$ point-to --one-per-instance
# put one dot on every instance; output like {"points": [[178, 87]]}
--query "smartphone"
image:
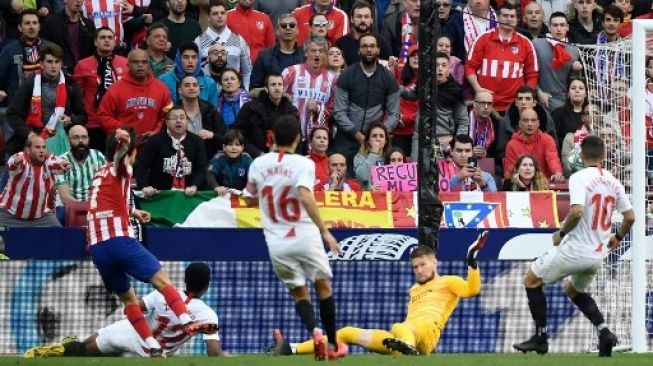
{"points": [[472, 162]]}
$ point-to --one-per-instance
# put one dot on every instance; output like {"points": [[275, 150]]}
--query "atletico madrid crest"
{"points": [[259, 25]]}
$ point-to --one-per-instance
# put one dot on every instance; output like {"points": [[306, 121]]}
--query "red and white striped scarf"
{"points": [[407, 37], [179, 177], [34, 119], [473, 29]]}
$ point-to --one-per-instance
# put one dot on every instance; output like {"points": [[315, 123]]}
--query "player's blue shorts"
{"points": [[119, 256]]}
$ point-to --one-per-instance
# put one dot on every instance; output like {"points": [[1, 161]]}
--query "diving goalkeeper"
{"points": [[432, 299]]}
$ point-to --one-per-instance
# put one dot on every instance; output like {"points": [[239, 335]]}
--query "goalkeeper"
{"points": [[431, 301]]}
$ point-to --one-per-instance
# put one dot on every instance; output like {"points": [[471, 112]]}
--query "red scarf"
{"points": [[34, 119], [407, 38], [560, 54]]}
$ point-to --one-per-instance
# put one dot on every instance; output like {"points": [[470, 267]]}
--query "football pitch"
{"points": [[356, 360]]}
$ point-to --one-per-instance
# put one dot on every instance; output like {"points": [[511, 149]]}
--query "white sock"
{"points": [[152, 343], [185, 318], [293, 347]]}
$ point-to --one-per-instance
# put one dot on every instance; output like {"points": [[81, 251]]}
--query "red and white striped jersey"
{"points": [[30, 187], [105, 13], [108, 215], [502, 66], [304, 83], [165, 325]]}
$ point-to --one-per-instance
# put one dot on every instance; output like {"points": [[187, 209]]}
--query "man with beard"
{"points": [[253, 25], [73, 185], [366, 93], [180, 27], [217, 62], [217, 32], [157, 44], [72, 32], [25, 200], [362, 22], [284, 53]]}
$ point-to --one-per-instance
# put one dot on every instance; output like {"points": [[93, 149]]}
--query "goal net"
{"points": [[609, 76]]}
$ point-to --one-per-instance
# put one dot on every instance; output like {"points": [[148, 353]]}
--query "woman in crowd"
{"points": [[335, 60], [319, 143], [395, 156], [318, 26], [456, 67], [526, 176], [232, 96], [568, 117], [571, 143], [371, 153], [203, 119]]}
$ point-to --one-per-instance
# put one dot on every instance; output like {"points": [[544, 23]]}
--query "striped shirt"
{"points": [[237, 50], [29, 191], [105, 13], [304, 84], [108, 215], [81, 175]]}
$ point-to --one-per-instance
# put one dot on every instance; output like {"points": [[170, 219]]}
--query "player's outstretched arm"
{"points": [[624, 229], [573, 218], [308, 201]]}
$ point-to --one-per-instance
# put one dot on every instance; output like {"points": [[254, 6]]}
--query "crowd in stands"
{"points": [[203, 83]]}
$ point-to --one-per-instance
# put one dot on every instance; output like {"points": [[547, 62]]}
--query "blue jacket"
{"points": [[208, 88], [11, 68], [228, 173]]}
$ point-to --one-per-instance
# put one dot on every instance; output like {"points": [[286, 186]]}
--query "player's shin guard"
{"points": [[171, 295], [537, 305], [74, 349], [328, 316], [306, 313], [137, 320], [587, 306]]}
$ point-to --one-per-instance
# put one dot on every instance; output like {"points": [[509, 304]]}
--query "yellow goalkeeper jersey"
{"points": [[437, 299]]}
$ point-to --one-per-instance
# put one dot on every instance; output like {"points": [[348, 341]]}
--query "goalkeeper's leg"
{"points": [[370, 339]]}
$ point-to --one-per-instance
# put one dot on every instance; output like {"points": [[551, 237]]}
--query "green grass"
{"points": [[363, 360]]}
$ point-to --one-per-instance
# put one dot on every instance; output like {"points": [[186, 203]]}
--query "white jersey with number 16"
{"points": [[275, 179], [600, 193]]}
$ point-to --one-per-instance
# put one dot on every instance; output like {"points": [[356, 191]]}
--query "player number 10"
{"points": [[288, 206], [602, 211]]}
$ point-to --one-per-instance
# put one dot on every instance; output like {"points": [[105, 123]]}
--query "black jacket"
{"points": [[157, 161], [212, 121], [19, 109], [55, 30], [270, 61], [578, 34], [349, 46], [256, 119]]}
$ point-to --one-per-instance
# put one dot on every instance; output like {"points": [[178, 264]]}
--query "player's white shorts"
{"points": [[120, 338], [556, 264], [300, 260]]}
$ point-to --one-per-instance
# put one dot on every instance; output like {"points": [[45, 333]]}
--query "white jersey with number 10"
{"points": [[600, 193], [275, 179]]}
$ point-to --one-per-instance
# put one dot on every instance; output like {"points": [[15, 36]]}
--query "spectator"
{"points": [[253, 25], [26, 199], [456, 67], [402, 136], [362, 22], [232, 97], [571, 142], [46, 104], [395, 155], [526, 176], [366, 93], [285, 52], [481, 126], [533, 18], [335, 61], [137, 100], [228, 168], [613, 18], [444, 11], [337, 19], [502, 61], [11, 11], [72, 32], [402, 32], [372, 152], [552, 6], [318, 25], [94, 84], [275, 8], [319, 143], [172, 159], [530, 140], [107, 13], [466, 27], [237, 49], [217, 63], [556, 60], [466, 177], [157, 44], [452, 116], [257, 117], [338, 180], [203, 119], [187, 63], [74, 184], [568, 118], [627, 26], [180, 28], [584, 22], [311, 87], [137, 23]]}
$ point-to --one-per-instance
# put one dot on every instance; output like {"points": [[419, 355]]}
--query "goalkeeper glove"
{"points": [[472, 250]]}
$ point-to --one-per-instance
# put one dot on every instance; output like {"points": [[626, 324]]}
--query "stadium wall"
{"points": [[45, 300]]}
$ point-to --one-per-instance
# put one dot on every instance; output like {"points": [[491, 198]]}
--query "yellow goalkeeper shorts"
{"points": [[427, 335]]}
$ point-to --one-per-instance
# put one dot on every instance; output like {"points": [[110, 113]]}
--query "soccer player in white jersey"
{"points": [[580, 247], [120, 338], [283, 181]]}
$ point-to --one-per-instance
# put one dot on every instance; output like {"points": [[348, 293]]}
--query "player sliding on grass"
{"points": [[120, 338], [580, 246], [431, 301]]}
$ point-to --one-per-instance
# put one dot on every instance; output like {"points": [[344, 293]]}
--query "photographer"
{"points": [[469, 176]]}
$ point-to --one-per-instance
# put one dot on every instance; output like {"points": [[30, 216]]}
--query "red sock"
{"points": [[137, 319], [173, 300]]}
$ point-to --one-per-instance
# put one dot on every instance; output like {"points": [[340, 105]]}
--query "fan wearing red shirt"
{"points": [[338, 20], [254, 26]]}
